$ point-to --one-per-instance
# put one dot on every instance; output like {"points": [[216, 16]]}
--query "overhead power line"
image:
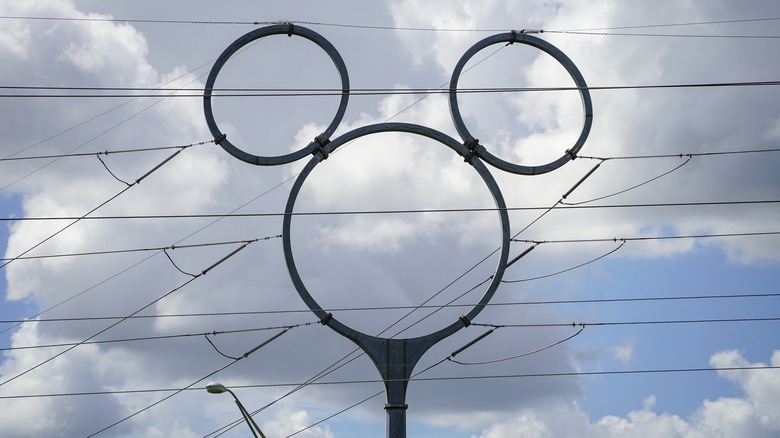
{"points": [[312, 92], [393, 308], [495, 326], [412, 211], [137, 311], [106, 152], [362, 26], [418, 379], [132, 250]]}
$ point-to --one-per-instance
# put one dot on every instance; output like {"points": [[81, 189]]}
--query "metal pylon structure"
{"points": [[395, 358]]}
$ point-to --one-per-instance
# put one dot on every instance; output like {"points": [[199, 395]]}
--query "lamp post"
{"points": [[218, 388]]}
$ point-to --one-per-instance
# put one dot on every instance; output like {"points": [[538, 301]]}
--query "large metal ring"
{"points": [[521, 38], [281, 29], [412, 129]]}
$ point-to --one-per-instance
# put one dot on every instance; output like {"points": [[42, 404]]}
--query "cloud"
{"points": [[753, 414], [367, 261]]}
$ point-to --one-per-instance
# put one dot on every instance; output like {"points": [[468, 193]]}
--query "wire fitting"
{"points": [[326, 319], [289, 28], [471, 145], [513, 37], [219, 139], [320, 149], [464, 320], [571, 153]]}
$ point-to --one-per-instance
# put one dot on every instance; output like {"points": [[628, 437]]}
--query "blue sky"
{"points": [[376, 261]]}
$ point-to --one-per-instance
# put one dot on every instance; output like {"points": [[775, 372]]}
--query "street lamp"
{"points": [[218, 388]]}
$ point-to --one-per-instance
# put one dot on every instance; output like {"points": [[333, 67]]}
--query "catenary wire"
{"points": [[101, 134], [344, 360], [363, 26], [367, 212], [158, 337], [539, 277], [419, 379], [379, 308], [75, 221], [635, 186], [452, 359], [375, 92], [133, 250], [180, 390], [106, 152], [137, 311]]}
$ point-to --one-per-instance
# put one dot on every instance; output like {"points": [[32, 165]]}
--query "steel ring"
{"points": [[433, 134], [280, 29], [521, 38]]}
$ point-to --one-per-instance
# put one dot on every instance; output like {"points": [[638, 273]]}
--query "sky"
{"points": [[142, 261]]}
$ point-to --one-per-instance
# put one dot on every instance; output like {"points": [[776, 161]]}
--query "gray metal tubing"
{"points": [[279, 29], [521, 38], [453, 144]]}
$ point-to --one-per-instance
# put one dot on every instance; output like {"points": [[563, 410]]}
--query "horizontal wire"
{"points": [[201, 245], [680, 155], [159, 337], [106, 152], [643, 238], [368, 91], [431, 306], [681, 24], [668, 35], [362, 26], [119, 321], [410, 211], [417, 379], [132, 250], [618, 323]]}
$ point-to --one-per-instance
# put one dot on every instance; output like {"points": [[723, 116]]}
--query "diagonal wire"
{"points": [[632, 187], [623, 242], [214, 265], [74, 222]]}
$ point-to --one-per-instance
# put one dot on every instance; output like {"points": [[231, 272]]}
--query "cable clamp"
{"points": [[571, 153], [464, 320], [513, 36], [289, 28], [219, 139], [471, 145], [320, 149], [326, 319]]}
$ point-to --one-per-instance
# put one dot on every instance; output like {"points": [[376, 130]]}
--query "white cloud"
{"points": [[348, 261], [753, 415]]}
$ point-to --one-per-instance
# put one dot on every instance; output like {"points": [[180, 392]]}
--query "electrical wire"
{"points": [[680, 24], [156, 338], [620, 192], [180, 390], [528, 353], [569, 269], [642, 238], [381, 308], [363, 26], [417, 379], [371, 212], [292, 92], [106, 152], [670, 35], [102, 204], [139, 310]]}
